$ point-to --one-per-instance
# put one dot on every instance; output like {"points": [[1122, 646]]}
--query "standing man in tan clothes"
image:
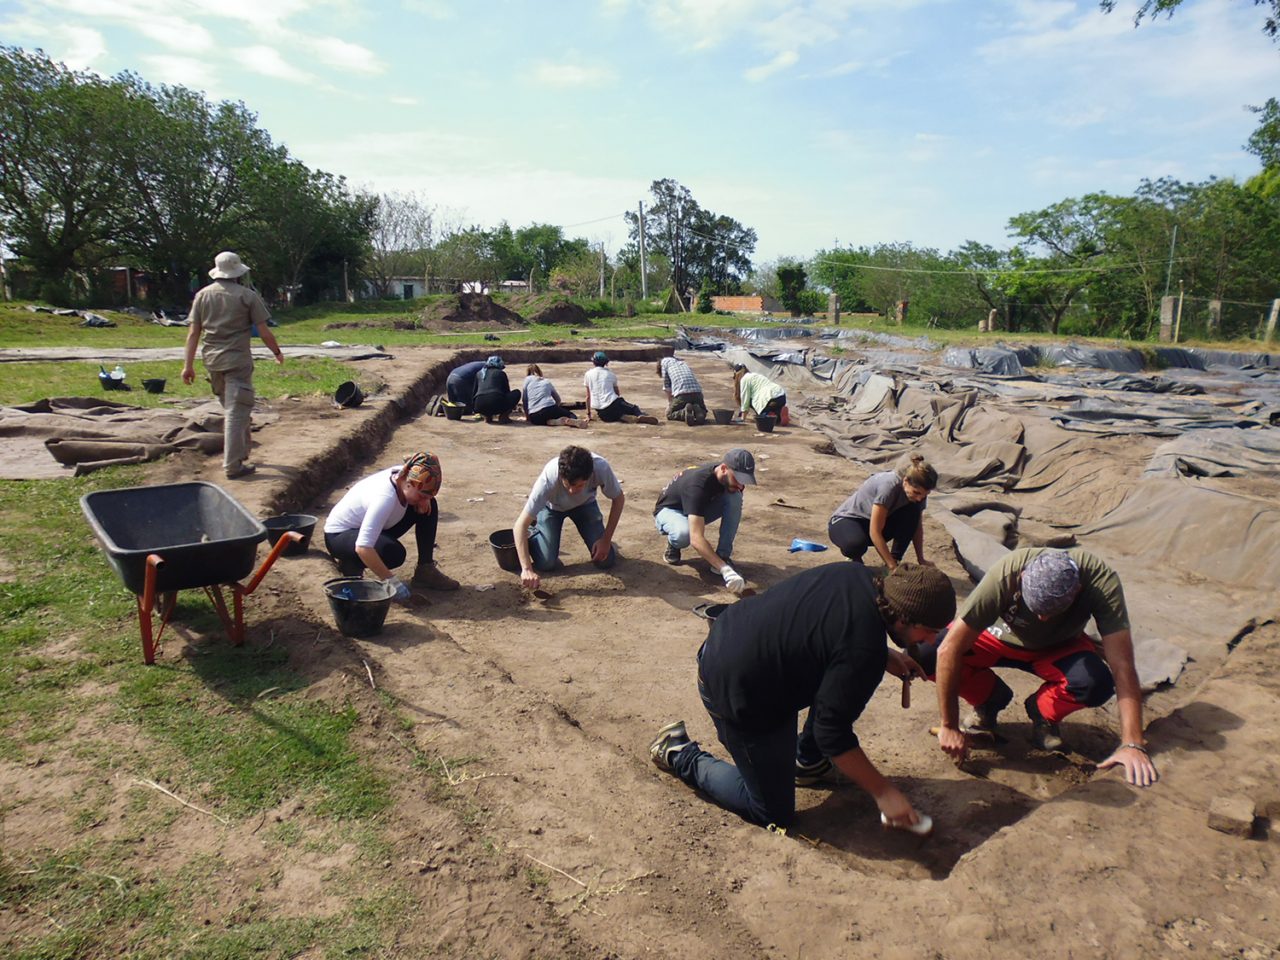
{"points": [[225, 312]]}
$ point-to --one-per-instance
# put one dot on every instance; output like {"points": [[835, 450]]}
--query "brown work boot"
{"points": [[428, 575]]}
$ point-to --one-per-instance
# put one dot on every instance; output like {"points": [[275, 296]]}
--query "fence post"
{"points": [[1168, 306], [833, 308], [1215, 318], [1271, 320]]}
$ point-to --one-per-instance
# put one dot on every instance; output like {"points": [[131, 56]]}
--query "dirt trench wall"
{"points": [[363, 441]]}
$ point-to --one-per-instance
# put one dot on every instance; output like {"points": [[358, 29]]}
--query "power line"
{"points": [[584, 223], [991, 270]]}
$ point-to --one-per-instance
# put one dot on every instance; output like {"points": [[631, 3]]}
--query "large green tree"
{"points": [[63, 198], [698, 243], [1154, 8], [187, 162]]}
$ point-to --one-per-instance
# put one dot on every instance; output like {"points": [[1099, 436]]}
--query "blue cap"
{"points": [[599, 358], [495, 361]]}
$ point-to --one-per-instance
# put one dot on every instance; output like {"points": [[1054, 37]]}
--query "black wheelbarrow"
{"points": [[178, 536]]}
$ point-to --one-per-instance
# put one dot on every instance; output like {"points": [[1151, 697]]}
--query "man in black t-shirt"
{"points": [[815, 640], [698, 496]]}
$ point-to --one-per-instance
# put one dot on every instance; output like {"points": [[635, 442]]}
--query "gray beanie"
{"points": [[919, 594], [1049, 583]]}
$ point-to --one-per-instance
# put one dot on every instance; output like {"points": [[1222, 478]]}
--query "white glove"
{"points": [[401, 594], [732, 579]]}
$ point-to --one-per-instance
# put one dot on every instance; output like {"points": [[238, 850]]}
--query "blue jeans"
{"points": [[727, 509], [761, 788], [544, 544]]}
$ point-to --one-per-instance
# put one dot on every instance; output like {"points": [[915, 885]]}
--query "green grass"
{"points": [[90, 903], [26, 382], [69, 652]]}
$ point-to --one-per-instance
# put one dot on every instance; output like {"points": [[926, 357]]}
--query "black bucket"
{"points": [[154, 385], [348, 395], [723, 417], [504, 549], [359, 606], [453, 411], [766, 422], [302, 523]]}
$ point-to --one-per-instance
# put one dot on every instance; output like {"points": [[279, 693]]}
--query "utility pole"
{"points": [[1169, 271], [346, 290], [601, 269], [644, 272]]}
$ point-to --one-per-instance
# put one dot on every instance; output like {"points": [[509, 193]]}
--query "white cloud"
{"points": [[783, 60], [342, 55], [432, 9], [269, 62], [257, 13], [176, 33], [404, 101], [82, 47], [184, 71], [704, 23], [566, 75]]}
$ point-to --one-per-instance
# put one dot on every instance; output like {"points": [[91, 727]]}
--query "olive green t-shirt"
{"points": [[996, 603], [226, 312]]}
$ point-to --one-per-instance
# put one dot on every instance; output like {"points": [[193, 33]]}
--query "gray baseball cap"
{"points": [[743, 465]]}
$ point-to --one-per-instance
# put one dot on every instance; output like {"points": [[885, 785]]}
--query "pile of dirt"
{"points": [[467, 311], [564, 313]]}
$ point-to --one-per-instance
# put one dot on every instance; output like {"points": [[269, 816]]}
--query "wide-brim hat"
{"points": [[228, 266]]}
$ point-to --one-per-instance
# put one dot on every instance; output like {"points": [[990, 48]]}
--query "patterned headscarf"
{"points": [[423, 469]]}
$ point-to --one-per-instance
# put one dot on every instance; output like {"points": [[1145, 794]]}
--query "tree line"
{"points": [[101, 172]]}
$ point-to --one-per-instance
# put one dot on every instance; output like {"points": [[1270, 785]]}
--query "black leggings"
{"points": [[342, 545], [539, 418], [617, 410], [495, 404], [852, 535]]}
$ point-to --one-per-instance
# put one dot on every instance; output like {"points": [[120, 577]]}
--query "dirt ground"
{"points": [[556, 701]]}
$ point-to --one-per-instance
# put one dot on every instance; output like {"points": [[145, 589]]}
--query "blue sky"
{"points": [[813, 121]]}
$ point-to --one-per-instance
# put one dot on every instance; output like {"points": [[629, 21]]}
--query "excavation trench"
{"points": [[607, 657]]}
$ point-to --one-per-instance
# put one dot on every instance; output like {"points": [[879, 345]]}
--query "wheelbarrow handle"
{"points": [[290, 537]]}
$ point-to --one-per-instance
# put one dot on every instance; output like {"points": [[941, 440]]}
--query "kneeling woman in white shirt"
{"points": [[365, 528]]}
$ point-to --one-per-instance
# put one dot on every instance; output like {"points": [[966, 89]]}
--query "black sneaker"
{"points": [[670, 740], [1044, 735], [672, 555], [807, 774], [695, 416]]}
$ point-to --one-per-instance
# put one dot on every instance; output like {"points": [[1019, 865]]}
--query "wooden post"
{"points": [[1271, 320], [1215, 318], [992, 324], [1168, 305], [833, 308], [900, 312], [1177, 324]]}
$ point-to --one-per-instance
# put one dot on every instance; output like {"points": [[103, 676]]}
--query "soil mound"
{"points": [[467, 311], [563, 313]]}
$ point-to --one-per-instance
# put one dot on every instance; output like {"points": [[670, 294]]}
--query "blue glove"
{"points": [[401, 594], [807, 545]]}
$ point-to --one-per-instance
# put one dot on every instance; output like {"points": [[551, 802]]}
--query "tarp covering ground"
{"points": [[1171, 476]]}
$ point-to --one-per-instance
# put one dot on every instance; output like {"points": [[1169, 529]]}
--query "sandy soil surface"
{"points": [[554, 703]]}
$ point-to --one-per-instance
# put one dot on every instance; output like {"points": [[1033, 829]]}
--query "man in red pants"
{"points": [[1029, 612]]}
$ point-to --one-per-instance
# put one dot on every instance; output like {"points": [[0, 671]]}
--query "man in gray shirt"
{"points": [[566, 488], [226, 312]]}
